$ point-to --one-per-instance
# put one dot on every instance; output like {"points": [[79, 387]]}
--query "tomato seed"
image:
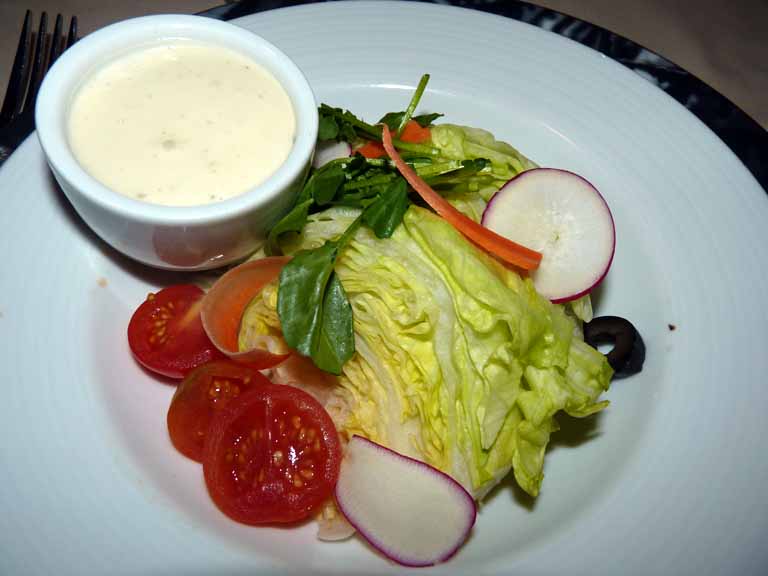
{"points": [[307, 473], [296, 421], [297, 482], [277, 457]]}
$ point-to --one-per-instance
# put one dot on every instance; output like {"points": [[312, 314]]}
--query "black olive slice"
{"points": [[628, 352]]}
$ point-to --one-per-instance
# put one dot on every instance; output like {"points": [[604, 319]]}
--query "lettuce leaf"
{"points": [[456, 142]]}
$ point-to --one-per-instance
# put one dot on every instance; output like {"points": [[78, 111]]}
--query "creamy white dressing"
{"points": [[181, 124]]}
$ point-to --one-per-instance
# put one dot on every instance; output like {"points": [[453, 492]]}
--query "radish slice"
{"points": [[327, 151], [409, 511], [561, 215]]}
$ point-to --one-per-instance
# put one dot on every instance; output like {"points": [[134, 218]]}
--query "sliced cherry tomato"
{"points": [[166, 335], [202, 394], [271, 456]]}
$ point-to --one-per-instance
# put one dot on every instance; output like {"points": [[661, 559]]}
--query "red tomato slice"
{"points": [[271, 456], [200, 396], [166, 335]]}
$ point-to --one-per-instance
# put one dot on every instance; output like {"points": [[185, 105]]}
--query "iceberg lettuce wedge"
{"points": [[458, 362]]}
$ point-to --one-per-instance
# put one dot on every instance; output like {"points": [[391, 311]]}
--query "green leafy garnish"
{"points": [[315, 314], [393, 119], [336, 343], [385, 213], [294, 221], [339, 124], [324, 183]]}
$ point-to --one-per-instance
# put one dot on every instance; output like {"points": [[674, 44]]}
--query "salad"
{"points": [[402, 343]]}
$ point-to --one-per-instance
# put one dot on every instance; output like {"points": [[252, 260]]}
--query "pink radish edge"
{"points": [[613, 241], [526, 173], [459, 489], [327, 151]]}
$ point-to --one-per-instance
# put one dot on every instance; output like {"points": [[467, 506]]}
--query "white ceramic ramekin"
{"points": [[171, 237]]}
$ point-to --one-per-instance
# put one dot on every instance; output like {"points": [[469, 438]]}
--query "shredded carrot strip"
{"points": [[499, 246]]}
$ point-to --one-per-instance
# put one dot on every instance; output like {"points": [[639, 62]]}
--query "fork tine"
{"points": [[14, 95], [72, 36], [57, 43], [39, 67]]}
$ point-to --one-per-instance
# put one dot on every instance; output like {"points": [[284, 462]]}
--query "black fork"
{"points": [[36, 53]]}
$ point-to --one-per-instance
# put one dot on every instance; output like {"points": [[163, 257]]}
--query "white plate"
{"points": [[672, 478]]}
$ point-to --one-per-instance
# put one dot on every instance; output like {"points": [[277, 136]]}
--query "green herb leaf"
{"points": [[336, 343], [350, 127], [373, 180], [327, 129], [392, 119], [385, 214], [314, 311], [324, 183], [301, 295], [294, 221], [425, 120]]}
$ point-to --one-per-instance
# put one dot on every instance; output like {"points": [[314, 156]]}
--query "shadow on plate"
{"points": [[573, 433], [142, 272]]}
